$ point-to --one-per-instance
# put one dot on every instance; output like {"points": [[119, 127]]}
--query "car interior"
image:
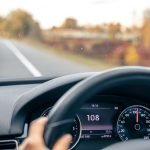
{"points": [[98, 109], [83, 66]]}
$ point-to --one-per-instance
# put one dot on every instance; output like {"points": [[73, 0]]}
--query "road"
{"points": [[19, 60]]}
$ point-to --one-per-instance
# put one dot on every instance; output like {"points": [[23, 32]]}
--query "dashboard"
{"points": [[119, 114], [105, 120], [94, 121]]}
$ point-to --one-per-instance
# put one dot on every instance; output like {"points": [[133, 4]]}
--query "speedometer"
{"points": [[134, 123], [75, 130]]}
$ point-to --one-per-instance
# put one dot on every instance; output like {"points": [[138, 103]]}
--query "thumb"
{"points": [[63, 143]]}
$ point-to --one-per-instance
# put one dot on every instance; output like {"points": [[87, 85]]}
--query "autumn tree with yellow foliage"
{"points": [[146, 29], [19, 23]]}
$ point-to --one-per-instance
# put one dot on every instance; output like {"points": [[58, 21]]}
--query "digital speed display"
{"points": [[97, 120], [100, 121]]}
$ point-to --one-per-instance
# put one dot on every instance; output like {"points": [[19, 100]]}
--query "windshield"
{"points": [[58, 37]]}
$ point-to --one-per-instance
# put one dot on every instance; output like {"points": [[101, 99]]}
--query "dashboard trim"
{"points": [[7, 141], [28, 99]]}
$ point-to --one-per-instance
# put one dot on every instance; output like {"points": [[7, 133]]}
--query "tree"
{"points": [[20, 23], [1, 23], [70, 23], [131, 56], [2, 26], [146, 29], [113, 29], [35, 31]]}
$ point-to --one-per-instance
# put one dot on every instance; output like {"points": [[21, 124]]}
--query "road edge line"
{"points": [[31, 68]]}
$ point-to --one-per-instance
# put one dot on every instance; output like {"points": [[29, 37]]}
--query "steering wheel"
{"points": [[59, 119]]}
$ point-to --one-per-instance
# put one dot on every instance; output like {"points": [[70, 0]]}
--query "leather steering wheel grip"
{"points": [[67, 106]]}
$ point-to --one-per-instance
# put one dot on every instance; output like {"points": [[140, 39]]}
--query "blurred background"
{"points": [[98, 34]]}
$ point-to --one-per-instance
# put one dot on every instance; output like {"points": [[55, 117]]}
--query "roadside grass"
{"points": [[82, 59]]}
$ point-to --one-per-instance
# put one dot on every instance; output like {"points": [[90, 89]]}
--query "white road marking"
{"points": [[33, 70]]}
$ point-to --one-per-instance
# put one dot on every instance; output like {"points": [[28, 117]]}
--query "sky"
{"points": [[53, 12]]}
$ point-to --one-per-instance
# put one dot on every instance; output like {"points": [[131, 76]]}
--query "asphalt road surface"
{"points": [[19, 60]]}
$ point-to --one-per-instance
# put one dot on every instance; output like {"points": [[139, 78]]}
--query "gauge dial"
{"points": [[134, 123], [75, 130]]}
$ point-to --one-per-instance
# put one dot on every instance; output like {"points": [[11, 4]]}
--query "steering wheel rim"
{"points": [[59, 119]]}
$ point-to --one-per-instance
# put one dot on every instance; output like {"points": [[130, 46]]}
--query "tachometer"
{"points": [[75, 130], [134, 123]]}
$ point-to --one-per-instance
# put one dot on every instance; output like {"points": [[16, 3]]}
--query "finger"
{"points": [[63, 143], [37, 127], [23, 146]]}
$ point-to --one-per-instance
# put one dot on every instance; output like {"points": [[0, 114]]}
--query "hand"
{"points": [[35, 139]]}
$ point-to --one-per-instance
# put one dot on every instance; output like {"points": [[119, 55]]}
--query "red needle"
{"points": [[137, 115]]}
